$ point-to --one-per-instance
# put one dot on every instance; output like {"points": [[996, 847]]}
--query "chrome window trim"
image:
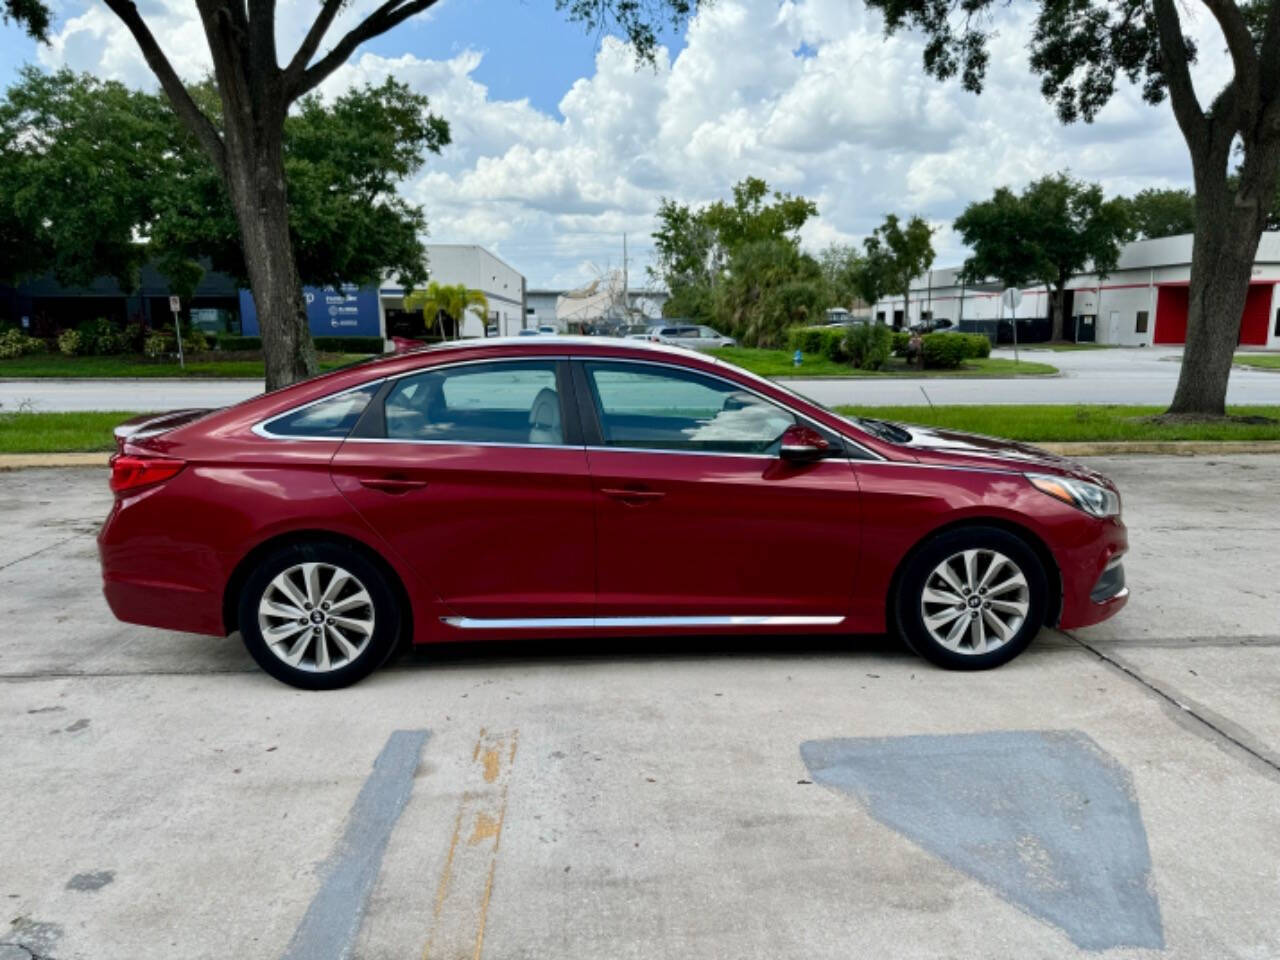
{"points": [[260, 428], [469, 443], [597, 623], [736, 385]]}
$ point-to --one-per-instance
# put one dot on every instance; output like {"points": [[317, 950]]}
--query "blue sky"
{"points": [[531, 49], [561, 142]]}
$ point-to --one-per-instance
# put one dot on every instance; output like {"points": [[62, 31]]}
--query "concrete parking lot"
{"points": [[1112, 793]]}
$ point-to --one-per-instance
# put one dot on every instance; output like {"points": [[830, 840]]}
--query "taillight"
{"points": [[130, 472]]}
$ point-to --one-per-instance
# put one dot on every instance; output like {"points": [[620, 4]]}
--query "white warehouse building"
{"points": [[476, 268], [1143, 301]]}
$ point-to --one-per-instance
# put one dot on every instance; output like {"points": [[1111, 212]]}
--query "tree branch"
{"points": [[190, 114], [262, 32], [1174, 59], [1244, 57], [311, 42], [388, 15]]}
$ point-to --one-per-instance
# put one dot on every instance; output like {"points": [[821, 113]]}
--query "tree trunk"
{"points": [[258, 195], [1057, 304], [1229, 225]]}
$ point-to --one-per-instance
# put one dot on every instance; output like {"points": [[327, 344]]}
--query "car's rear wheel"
{"points": [[318, 616], [971, 598]]}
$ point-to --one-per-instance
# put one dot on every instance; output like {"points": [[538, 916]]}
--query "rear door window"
{"points": [[515, 402]]}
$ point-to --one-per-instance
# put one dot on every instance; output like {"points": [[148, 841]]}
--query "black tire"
{"points": [[909, 606], [385, 615]]}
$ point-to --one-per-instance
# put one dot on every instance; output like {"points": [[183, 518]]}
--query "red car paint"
{"points": [[540, 531]]}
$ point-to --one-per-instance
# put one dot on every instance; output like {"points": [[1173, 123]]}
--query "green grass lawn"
{"points": [[229, 365], [59, 432], [778, 363], [1264, 361], [1036, 423]]}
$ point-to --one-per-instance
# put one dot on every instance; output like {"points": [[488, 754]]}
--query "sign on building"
{"points": [[348, 311]]}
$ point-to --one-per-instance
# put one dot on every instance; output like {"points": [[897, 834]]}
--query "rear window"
{"points": [[329, 419]]}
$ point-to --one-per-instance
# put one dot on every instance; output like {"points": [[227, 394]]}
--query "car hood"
{"points": [[955, 448]]}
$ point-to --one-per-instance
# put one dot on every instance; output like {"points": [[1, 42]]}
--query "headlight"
{"points": [[1089, 497]]}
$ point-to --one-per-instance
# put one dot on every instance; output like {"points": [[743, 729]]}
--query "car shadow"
{"points": [[643, 649]]}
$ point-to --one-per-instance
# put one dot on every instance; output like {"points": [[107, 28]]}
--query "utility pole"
{"points": [[626, 294]]}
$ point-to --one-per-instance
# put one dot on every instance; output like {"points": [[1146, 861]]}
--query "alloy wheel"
{"points": [[316, 617], [975, 601]]}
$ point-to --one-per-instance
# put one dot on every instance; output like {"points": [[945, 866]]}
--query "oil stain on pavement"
{"points": [[1046, 819]]}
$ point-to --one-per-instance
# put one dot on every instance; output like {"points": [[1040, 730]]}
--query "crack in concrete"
{"points": [[1218, 727], [44, 549]]}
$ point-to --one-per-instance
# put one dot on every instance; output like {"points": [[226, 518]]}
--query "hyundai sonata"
{"points": [[544, 487]]}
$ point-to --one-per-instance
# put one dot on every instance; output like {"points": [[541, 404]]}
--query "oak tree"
{"points": [[1081, 51], [1054, 230], [255, 93]]}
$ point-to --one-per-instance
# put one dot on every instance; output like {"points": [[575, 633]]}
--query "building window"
{"points": [[1142, 321], [1277, 330]]}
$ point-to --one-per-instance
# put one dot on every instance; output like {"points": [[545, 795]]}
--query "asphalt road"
{"points": [[1131, 376], [1117, 790], [1127, 376]]}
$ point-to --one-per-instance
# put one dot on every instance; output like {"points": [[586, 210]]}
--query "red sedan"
{"points": [[541, 487]]}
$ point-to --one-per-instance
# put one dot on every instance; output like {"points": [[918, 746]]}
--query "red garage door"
{"points": [[1171, 314], [1257, 308]]}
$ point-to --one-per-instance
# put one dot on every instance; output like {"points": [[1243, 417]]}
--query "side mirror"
{"points": [[803, 444]]}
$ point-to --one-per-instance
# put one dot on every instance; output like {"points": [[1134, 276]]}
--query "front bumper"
{"points": [[1093, 578]]}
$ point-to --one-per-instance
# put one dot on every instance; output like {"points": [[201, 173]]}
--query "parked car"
{"points": [[941, 325], [691, 336], [549, 486]]}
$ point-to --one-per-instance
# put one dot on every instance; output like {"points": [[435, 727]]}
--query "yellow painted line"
{"points": [[465, 889]]}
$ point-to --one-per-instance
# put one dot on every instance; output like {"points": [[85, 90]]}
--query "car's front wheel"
{"points": [[971, 598], [318, 616]]}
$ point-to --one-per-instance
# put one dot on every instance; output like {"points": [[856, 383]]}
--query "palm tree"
{"points": [[451, 300]]}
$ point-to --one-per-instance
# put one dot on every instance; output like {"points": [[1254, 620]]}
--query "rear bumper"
{"points": [[151, 578]]}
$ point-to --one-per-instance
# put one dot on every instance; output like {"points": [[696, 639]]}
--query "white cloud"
{"points": [[808, 94]]}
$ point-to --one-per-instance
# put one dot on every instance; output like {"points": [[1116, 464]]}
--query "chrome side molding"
{"points": [[604, 623]]}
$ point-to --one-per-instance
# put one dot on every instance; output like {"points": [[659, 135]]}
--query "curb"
{"points": [[1178, 448], [191, 379], [23, 461]]}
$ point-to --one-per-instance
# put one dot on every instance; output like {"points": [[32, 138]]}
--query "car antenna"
{"points": [[926, 396]]}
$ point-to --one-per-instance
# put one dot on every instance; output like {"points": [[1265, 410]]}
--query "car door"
{"points": [[696, 513], [475, 476]]}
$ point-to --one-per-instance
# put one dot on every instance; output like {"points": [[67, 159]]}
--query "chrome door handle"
{"points": [[392, 484], [632, 497]]}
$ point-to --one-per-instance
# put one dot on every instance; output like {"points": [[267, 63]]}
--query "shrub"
{"points": [[901, 343], [100, 337], [944, 351], [158, 343], [69, 343], [868, 345], [977, 345], [228, 341], [828, 342], [14, 343], [194, 340]]}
